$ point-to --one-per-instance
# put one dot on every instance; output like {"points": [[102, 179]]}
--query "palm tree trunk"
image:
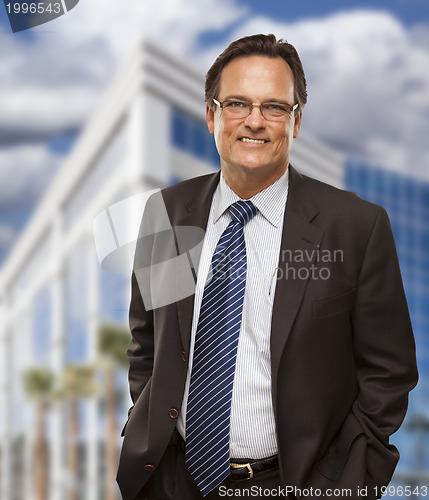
{"points": [[40, 452], [112, 426], [73, 448]]}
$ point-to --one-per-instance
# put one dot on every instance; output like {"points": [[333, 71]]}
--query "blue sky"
{"points": [[409, 11], [361, 59]]}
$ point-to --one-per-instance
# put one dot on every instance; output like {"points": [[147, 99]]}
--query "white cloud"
{"points": [[24, 174], [368, 84], [52, 82], [368, 78]]}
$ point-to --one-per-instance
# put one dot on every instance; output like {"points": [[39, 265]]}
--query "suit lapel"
{"points": [[194, 215], [299, 235]]}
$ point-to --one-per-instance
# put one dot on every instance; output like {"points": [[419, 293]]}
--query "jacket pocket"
{"points": [[331, 465], [333, 305], [125, 426]]}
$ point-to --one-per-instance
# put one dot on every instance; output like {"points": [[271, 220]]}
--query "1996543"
{"points": [[401, 491], [33, 8]]}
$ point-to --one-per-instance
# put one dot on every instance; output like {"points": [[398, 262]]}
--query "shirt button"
{"points": [[233, 446], [173, 413], [183, 356], [149, 467]]}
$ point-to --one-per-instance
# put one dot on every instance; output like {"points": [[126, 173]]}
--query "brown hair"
{"points": [[264, 45]]}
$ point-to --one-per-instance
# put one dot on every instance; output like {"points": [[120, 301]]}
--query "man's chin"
{"points": [[253, 164], [259, 168]]}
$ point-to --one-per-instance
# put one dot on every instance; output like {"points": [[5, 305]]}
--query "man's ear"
{"points": [[210, 119], [297, 124]]}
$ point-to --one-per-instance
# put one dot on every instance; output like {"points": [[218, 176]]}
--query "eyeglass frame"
{"points": [[221, 103]]}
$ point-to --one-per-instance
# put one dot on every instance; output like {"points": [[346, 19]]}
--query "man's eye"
{"points": [[279, 108], [235, 104]]}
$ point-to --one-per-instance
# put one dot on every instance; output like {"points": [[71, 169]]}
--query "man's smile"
{"points": [[254, 141]]}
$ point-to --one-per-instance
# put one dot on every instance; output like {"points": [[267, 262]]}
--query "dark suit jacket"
{"points": [[342, 347]]}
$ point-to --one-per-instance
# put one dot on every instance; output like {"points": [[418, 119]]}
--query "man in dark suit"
{"points": [[319, 339]]}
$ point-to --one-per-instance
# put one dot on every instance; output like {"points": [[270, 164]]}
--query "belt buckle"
{"points": [[242, 466]]}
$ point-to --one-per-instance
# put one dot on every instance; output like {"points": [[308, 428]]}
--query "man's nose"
{"points": [[255, 119]]}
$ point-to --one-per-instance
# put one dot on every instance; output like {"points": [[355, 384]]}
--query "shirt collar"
{"points": [[270, 202]]}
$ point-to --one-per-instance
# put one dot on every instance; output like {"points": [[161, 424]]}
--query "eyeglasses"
{"points": [[274, 111]]}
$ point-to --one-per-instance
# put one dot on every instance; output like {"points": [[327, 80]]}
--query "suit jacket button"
{"points": [[149, 467], [173, 413], [183, 356]]}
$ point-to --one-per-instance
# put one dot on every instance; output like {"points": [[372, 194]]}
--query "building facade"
{"points": [[406, 200], [148, 132]]}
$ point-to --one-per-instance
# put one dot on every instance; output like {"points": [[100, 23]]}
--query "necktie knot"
{"points": [[242, 211]]}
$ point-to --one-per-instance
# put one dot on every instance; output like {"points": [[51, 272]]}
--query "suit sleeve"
{"points": [[140, 353], [141, 350], [384, 350]]}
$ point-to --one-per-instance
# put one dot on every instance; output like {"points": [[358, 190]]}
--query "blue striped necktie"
{"points": [[216, 340]]}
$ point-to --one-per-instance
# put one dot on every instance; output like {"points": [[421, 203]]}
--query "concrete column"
{"points": [[5, 410], [57, 363], [92, 432]]}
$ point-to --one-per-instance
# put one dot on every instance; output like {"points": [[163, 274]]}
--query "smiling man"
{"points": [[270, 379], [254, 144]]}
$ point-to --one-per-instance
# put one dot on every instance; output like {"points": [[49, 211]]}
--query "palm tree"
{"points": [[77, 382], [113, 341], [38, 383]]}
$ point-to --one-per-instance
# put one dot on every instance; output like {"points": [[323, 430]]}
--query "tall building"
{"points": [[55, 291], [406, 200]]}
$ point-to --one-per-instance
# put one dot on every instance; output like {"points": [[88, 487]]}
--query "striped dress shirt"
{"points": [[253, 432]]}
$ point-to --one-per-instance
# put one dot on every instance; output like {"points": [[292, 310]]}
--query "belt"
{"points": [[248, 468], [241, 468]]}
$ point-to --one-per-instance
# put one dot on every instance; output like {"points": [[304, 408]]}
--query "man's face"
{"points": [[257, 79]]}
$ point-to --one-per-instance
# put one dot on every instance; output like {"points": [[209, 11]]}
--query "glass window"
{"points": [[409, 237], [425, 195], [212, 152], [362, 180], [405, 198], [198, 139], [410, 191], [424, 302], [424, 266], [179, 129], [76, 304], [114, 297], [394, 186], [411, 299], [405, 441], [19, 357], [379, 185], [191, 135], [425, 242], [42, 326], [396, 228]]}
